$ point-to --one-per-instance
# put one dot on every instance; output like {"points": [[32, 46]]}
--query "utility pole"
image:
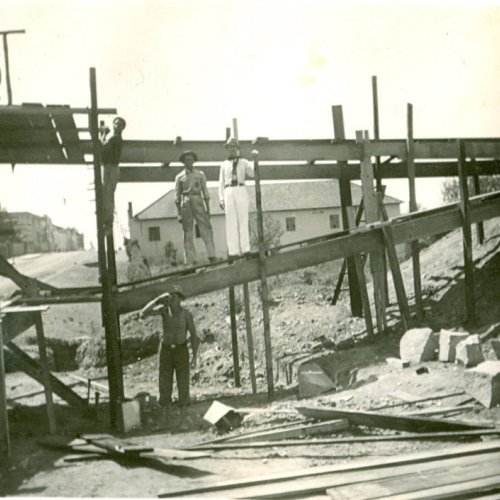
{"points": [[6, 59]]}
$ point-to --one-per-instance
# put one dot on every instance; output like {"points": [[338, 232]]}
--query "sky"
{"points": [[187, 68]]}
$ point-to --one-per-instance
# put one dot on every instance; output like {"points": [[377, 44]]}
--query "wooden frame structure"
{"points": [[38, 135]]}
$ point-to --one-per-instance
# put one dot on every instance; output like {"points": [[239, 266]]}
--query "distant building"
{"points": [[303, 210], [37, 234]]}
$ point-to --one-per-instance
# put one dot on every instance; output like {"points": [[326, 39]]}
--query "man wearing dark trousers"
{"points": [[174, 354]]}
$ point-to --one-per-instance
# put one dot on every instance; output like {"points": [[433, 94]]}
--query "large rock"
{"points": [[448, 341], [313, 381], [418, 344], [483, 383], [469, 351], [495, 347]]}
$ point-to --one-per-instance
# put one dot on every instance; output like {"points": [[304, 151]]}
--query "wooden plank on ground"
{"points": [[442, 474], [420, 436], [358, 465], [410, 398], [295, 432], [356, 485], [394, 422]]}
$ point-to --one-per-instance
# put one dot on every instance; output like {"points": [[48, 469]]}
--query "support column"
{"points": [[477, 191], [234, 337], [250, 347], [415, 251], [263, 279], [346, 201], [109, 313], [5, 450], [470, 303]]}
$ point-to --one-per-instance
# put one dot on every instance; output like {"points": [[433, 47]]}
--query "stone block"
{"points": [[483, 383], [313, 381], [417, 345], [448, 341], [397, 363], [495, 347], [469, 351]]}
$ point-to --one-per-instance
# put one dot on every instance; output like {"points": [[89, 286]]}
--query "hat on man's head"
{"points": [[178, 290], [232, 141], [188, 153]]}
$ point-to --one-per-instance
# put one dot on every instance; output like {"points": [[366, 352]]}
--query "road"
{"points": [[53, 268]]}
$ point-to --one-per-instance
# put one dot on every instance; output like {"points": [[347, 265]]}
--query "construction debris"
{"points": [[417, 345], [448, 341], [469, 351], [483, 383], [223, 417], [394, 422], [313, 380]]}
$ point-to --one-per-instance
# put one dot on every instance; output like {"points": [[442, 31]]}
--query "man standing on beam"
{"points": [[233, 199], [192, 200]]}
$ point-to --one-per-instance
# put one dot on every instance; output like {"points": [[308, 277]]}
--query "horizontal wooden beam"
{"points": [[52, 109], [405, 228], [305, 150], [311, 171]]}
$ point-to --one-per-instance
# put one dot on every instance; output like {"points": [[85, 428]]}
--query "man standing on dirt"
{"points": [[233, 199], [192, 200], [173, 354], [110, 159]]}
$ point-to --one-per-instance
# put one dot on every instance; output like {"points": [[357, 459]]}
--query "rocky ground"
{"points": [[304, 325]]}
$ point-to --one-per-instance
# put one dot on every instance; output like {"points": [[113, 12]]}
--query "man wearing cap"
{"points": [[192, 200], [174, 354], [233, 198], [110, 158]]}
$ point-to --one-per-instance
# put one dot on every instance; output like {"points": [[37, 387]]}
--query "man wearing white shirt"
{"points": [[233, 198]]}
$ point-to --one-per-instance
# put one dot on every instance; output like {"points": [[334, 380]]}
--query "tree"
{"points": [[272, 232], [450, 191]]}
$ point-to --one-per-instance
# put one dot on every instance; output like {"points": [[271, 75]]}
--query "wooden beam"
{"points": [[405, 228], [250, 346], [415, 250], [372, 215], [392, 256], [393, 422], [346, 201], [32, 368], [360, 272], [421, 400], [263, 280], [234, 337], [477, 191], [470, 303], [367, 464], [42, 352], [4, 417], [109, 313]]}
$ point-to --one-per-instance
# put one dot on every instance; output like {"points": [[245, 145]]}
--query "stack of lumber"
{"points": [[466, 471]]}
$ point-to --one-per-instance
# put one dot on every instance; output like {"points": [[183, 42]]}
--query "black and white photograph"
{"points": [[250, 249]]}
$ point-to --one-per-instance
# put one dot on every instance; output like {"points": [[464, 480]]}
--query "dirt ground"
{"points": [[304, 324]]}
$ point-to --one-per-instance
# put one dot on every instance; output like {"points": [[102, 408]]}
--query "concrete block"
{"points": [[469, 351], [397, 363], [448, 341], [418, 344], [483, 383], [313, 381], [495, 347]]}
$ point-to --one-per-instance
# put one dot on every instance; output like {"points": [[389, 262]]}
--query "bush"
{"points": [[450, 191], [272, 232]]}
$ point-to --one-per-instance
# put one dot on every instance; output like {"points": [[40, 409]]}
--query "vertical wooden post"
{"points": [[372, 215], [4, 418], [376, 131], [346, 201], [234, 337], [367, 313], [109, 313], [250, 347], [415, 251], [470, 304], [477, 191], [47, 387], [263, 279]]}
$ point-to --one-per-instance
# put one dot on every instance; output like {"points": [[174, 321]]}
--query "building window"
{"points": [[290, 223], [197, 231], [154, 233], [334, 221]]}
